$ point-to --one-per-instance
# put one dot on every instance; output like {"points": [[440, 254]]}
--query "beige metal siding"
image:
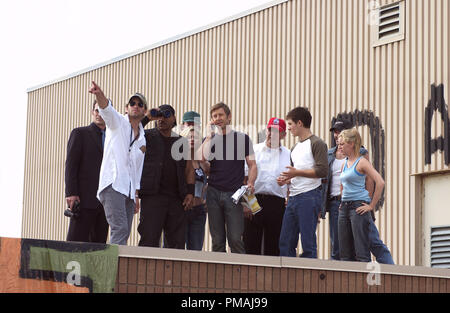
{"points": [[315, 53]]}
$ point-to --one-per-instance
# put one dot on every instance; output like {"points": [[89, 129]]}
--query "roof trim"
{"points": [[161, 43]]}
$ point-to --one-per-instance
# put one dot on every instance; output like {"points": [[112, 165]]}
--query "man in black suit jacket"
{"points": [[84, 159]]}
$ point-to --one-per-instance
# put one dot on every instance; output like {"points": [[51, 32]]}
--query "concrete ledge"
{"points": [[198, 256], [362, 267], [278, 262]]}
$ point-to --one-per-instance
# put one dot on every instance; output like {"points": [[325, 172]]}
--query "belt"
{"points": [[337, 198], [261, 195], [354, 201]]}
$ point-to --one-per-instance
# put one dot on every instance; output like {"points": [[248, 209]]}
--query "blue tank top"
{"points": [[353, 183]]}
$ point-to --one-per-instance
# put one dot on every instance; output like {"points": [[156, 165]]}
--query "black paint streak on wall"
{"points": [[437, 103], [377, 139]]}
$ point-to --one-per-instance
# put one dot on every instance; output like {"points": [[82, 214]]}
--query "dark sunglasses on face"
{"points": [[133, 103]]}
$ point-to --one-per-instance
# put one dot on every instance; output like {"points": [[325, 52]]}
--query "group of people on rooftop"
{"points": [[115, 168]]}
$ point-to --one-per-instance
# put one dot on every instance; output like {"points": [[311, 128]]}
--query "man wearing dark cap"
{"points": [[332, 192], [331, 199], [121, 169], [167, 184]]}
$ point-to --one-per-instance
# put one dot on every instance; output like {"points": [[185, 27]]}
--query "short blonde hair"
{"points": [[352, 135], [186, 132]]}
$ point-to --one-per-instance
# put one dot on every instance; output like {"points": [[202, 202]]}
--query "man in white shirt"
{"points": [[310, 164], [271, 160], [123, 158]]}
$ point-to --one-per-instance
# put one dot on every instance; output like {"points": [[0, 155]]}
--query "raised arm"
{"points": [[99, 95], [204, 151], [112, 118]]}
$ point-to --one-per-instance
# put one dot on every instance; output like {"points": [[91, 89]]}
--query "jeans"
{"points": [[119, 211], [195, 228], [353, 232], [301, 216], [226, 221], [333, 208], [377, 247]]}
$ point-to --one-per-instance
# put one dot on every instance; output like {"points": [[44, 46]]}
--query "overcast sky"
{"points": [[43, 40]]}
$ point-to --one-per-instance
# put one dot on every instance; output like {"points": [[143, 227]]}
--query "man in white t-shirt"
{"points": [[123, 158], [310, 165]]}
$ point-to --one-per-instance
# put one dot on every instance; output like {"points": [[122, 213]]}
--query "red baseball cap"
{"points": [[278, 123]]}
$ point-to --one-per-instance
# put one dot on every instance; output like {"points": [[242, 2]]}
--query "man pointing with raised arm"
{"points": [[123, 157]]}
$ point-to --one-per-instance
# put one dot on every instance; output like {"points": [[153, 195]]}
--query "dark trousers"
{"points": [[268, 222], [90, 226], [158, 213]]}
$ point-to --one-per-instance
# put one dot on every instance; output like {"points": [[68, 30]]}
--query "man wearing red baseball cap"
{"points": [[271, 159]]}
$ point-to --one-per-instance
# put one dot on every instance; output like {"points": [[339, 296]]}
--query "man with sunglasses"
{"points": [[84, 158], [123, 157], [167, 183]]}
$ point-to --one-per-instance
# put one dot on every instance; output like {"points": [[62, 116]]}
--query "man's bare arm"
{"points": [[252, 172]]}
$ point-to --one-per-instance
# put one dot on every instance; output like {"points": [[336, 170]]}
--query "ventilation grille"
{"points": [[389, 24], [440, 247]]}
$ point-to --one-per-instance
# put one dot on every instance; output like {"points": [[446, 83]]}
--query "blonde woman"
{"points": [[196, 217], [354, 214]]}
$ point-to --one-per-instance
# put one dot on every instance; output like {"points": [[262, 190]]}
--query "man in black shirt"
{"points": [[167, 185], [84, 159], [227, 151]]}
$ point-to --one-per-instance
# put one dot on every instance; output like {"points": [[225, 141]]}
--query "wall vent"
{"points": [[389, 26], [440, 247], [389, 21]]}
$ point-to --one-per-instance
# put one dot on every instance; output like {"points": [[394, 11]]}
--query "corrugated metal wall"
{"points": [[315, 53]]}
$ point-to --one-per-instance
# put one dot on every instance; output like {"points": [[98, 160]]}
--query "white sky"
{"points": [[48, 39]]}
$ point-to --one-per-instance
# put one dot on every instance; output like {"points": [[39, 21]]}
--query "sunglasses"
{"points": [[133, 103]]}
